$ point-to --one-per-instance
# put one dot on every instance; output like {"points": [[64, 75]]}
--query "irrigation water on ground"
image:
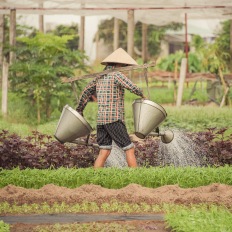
{"points": [[181, 152]]}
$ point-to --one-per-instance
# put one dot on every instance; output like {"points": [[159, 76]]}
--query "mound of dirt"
{"points": [[133, 193]]}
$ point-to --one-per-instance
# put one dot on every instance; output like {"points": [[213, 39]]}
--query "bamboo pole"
{"points": [[127, 68], [181, 81], [41, 19], [12, 33], [116, 33], [130, 32], [1, 38], [82, 34], [144, 42], [5, 71], [175, 80], [230, 67], [224, 97]]}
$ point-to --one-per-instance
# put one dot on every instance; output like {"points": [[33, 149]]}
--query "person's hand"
{"points": [[144, 97]]}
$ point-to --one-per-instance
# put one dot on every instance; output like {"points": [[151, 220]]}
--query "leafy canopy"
{"points": [[40, 63]]}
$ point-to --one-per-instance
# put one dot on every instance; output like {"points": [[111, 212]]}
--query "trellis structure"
{"points": [[160, 12]]}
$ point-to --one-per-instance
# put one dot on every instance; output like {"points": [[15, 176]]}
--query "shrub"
{"points": [[41, 151]]}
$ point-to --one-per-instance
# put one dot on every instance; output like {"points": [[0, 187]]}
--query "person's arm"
{"points": [[86, 96], [122, 80]]}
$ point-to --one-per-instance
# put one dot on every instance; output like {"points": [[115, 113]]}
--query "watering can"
{"points": [[147, 117], [72, 126]]}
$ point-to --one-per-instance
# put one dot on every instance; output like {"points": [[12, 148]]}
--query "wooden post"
{"points": [[116, 33], [175, 80], [224, 96], [82, 34], [41, 19], [231, 43], [130, 32], [5, 68], [144, 42], [181, 81], [1, 38], [12, 33]]}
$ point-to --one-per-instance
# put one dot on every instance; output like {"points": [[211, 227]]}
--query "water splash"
{"points": [[182, 151], [117, 157]]}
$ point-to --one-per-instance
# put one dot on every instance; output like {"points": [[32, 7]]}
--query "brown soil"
{"points": [[133, 193]]}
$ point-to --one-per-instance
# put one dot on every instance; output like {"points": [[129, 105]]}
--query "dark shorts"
{"points": [[113, 131]]}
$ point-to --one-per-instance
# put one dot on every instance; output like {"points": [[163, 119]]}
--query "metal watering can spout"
{"points": [[166, 136], [148, 116]]}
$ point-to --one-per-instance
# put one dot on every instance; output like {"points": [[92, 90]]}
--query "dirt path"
{"points": [[133, 193]]}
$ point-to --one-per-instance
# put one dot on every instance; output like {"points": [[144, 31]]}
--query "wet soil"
{"points": [[212, 194], [133, 193]]}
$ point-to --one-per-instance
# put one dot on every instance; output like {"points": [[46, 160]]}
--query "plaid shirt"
{"points": [[110, 96]]}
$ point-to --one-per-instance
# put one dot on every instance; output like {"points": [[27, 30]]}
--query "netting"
{"points": [[151, 12]]}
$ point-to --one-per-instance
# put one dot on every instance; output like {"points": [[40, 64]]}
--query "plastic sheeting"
{"points": [[150, 11]]}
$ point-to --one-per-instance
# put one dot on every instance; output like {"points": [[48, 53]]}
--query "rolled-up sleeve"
{"points": [[122, 80]]}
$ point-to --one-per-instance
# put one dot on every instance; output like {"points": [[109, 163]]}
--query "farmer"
{"points": [[109, 89]]}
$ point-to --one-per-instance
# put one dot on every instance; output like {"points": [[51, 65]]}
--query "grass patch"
{"points": [[180, 218], [84, 207], [200, 218], [190, 118], [193, 118], [4, 227], [113, 207], [115, 178]]}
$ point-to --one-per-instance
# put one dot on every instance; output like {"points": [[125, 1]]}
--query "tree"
{"points": [[168, 63], [35, 75], [223, 43], [21, 31], [62, 30], [105, 32], [155, 35]]}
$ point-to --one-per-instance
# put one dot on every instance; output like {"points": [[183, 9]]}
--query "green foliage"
{"points": [[4, 227], [192, 118], [154, 34], [223, 42], [215, 57], [208, 57], [198, 118], [21, 30], [35, 75], [197, 42], [115, 178], [105, 32], [62, 30], [168, 63], [200, 218], [83, 207]]}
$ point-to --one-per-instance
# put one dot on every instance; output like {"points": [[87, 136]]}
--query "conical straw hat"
{"points": [[119, 56]]}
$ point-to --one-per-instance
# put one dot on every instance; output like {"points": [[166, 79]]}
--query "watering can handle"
{"points": [[145, 75]]}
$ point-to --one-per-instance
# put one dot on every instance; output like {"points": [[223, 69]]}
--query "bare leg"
{"points": [[100, 161], [130, 157]]}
